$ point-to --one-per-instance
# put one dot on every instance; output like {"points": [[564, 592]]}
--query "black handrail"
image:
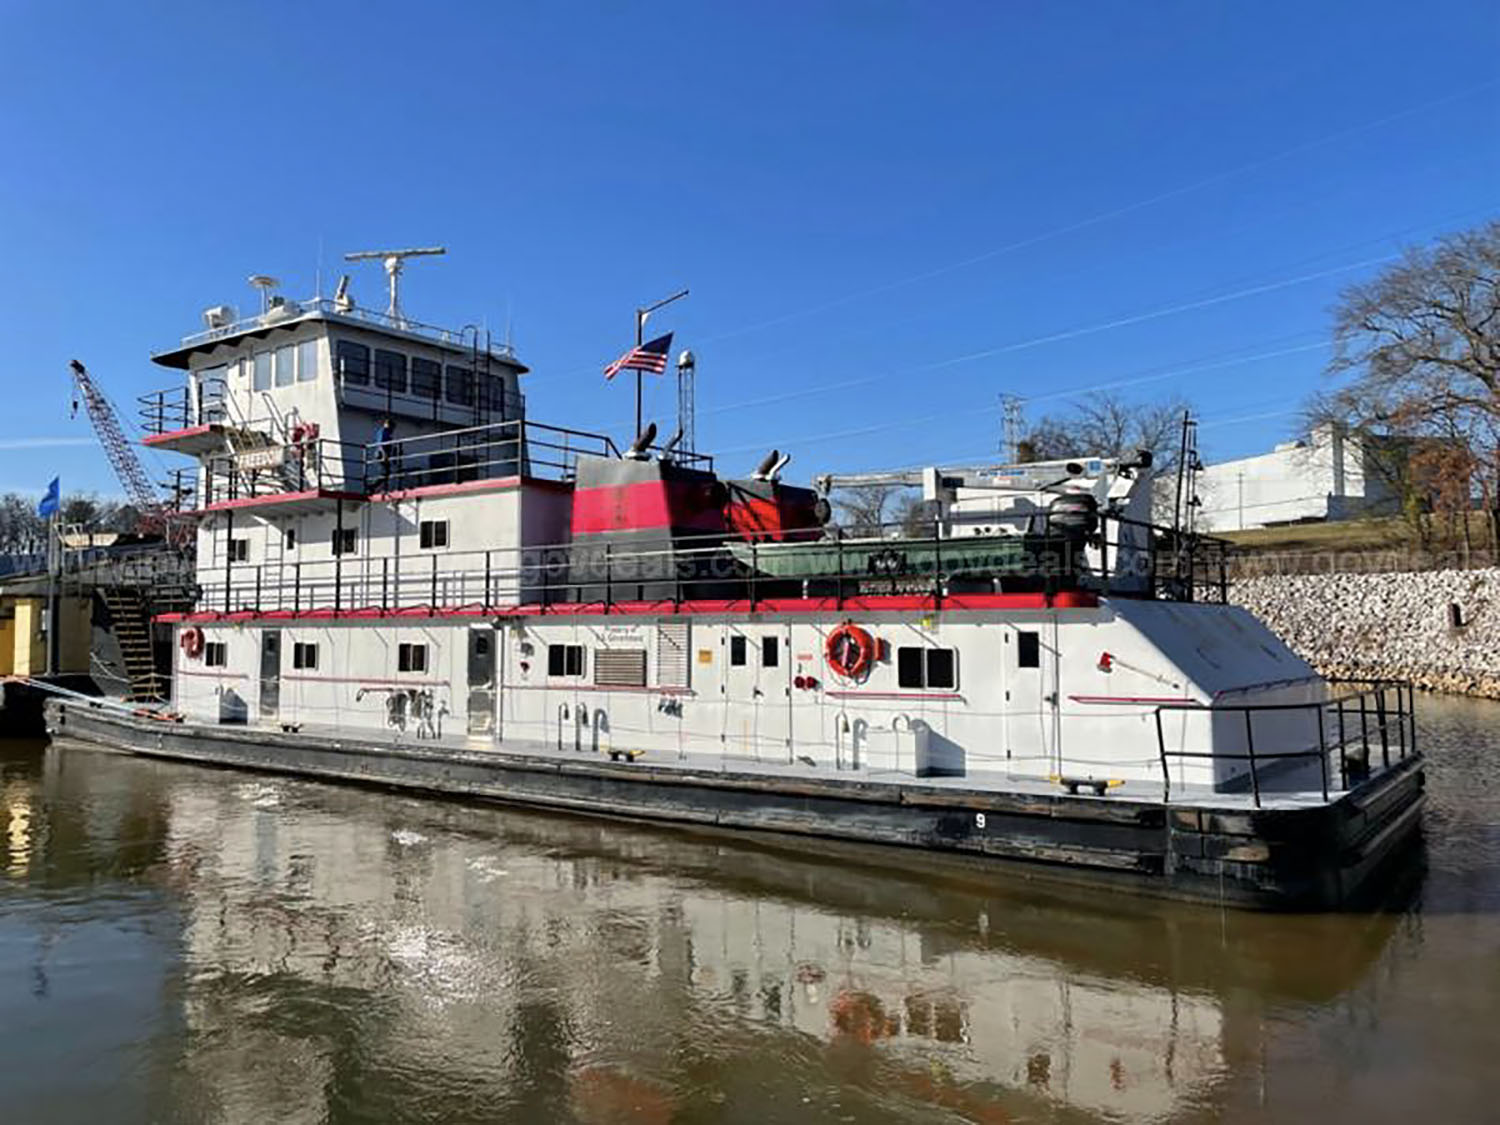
{"points": [[1404, 718]]}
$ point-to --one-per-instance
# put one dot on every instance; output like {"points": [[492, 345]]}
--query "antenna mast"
{"points": [[1011, 421], [394, 261]]}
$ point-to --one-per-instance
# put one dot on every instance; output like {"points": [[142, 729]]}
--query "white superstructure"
{"points": [[386, 543]]}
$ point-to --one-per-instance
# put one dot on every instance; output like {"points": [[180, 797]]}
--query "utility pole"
{"points": [[641, 316]]}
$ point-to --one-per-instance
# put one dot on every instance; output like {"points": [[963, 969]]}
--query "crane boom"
{"points": [[127, 466]]}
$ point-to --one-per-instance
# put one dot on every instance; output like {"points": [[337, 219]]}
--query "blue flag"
{"points": [[51, 502]]}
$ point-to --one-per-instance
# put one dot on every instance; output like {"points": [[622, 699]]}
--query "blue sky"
{"points": [[888, 213]]}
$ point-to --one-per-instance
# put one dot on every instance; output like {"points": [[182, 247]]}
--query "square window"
{"points": [[1028, 649], [353, 363], [239, 550], [942, 668], [433, 534], [390, 371], [564, 660], [426, 377], [910, 671], [770, 652], [345, 541], [924, 668], [304, 655], [215, 654], [307, 361], [286, 365], [460, 386], [737, 649], [411, 658]]}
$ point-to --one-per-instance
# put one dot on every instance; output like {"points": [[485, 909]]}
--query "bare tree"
{"points": [[865, 509], [1420, 343], [1107, 425]]}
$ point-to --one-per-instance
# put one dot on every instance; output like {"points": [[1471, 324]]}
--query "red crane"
{"points": [[156, 516]]}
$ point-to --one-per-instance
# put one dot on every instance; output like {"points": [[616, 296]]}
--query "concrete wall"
{"points": [[1389, 624]]}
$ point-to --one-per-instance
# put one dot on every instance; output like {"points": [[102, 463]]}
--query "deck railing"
{"points": [[714, 566], [1375, 713], [292, 311]]}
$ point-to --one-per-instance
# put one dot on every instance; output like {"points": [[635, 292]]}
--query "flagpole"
{"points": [[640, 338], [640, 332]]}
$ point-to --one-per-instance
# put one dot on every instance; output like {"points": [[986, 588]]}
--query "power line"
{"points": [[950, 412], [1108, 215]]}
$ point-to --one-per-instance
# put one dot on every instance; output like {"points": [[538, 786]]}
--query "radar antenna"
{"points": [[394, 261]]}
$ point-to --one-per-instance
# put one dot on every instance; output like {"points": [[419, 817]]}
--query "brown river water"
{"points": [[188, 944]]}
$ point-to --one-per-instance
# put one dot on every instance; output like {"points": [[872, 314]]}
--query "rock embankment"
{"points": [[1440, 629]]}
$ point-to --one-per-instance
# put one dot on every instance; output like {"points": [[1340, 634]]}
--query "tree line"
{"points": [[22, 531], [1414, 386]]}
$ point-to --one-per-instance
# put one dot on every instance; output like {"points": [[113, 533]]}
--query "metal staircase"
{"points": [[130, 621]]}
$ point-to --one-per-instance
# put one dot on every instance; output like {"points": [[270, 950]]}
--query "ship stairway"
{"points": [[130, 621]]}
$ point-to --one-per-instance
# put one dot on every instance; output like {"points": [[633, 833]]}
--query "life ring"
{"points": [[850, 651], [192, 642]]}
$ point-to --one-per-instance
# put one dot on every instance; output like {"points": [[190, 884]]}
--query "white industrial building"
{"points": [[1323, 476]]}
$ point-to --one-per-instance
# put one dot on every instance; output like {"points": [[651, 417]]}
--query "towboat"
{"points": [[404, 580]]}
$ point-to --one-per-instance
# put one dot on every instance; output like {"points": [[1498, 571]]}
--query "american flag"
{"points": [[650, 356]]}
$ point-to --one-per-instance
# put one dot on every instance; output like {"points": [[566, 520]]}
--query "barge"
{"points": [[404, 580]]}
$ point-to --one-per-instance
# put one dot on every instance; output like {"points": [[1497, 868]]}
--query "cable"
{"points": [[1106, 216]]}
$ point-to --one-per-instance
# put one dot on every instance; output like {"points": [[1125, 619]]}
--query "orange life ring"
{"points": [[192, 642], [850, 651]]}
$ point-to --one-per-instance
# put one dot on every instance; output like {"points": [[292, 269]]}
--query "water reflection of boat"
{"points": [[323, 926]]}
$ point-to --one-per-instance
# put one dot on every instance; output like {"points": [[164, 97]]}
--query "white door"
{"points": [[1032, 714], [757, 689]]}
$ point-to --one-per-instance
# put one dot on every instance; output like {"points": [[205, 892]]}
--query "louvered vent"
{"points": [[672, 654], [620, 667]]}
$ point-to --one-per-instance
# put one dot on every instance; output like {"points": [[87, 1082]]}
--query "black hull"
{"points": [[1305, 858]]}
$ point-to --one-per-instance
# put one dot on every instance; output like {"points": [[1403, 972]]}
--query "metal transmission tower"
{"points": [[687, 401], [1011, 421], [394, 261]]}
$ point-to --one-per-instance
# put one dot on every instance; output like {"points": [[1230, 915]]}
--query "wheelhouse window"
{"points": [[262, 380], [307, 361], [926, 668], [426, 377], [460, 386], [411, 657], [304, 655], [737, 651], [353, 363], [433, 534], [215, 654], [770, 652], [1028, 649], [390, 371], [289, 539], [286, 365], [564, 660], [345, 541]]}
